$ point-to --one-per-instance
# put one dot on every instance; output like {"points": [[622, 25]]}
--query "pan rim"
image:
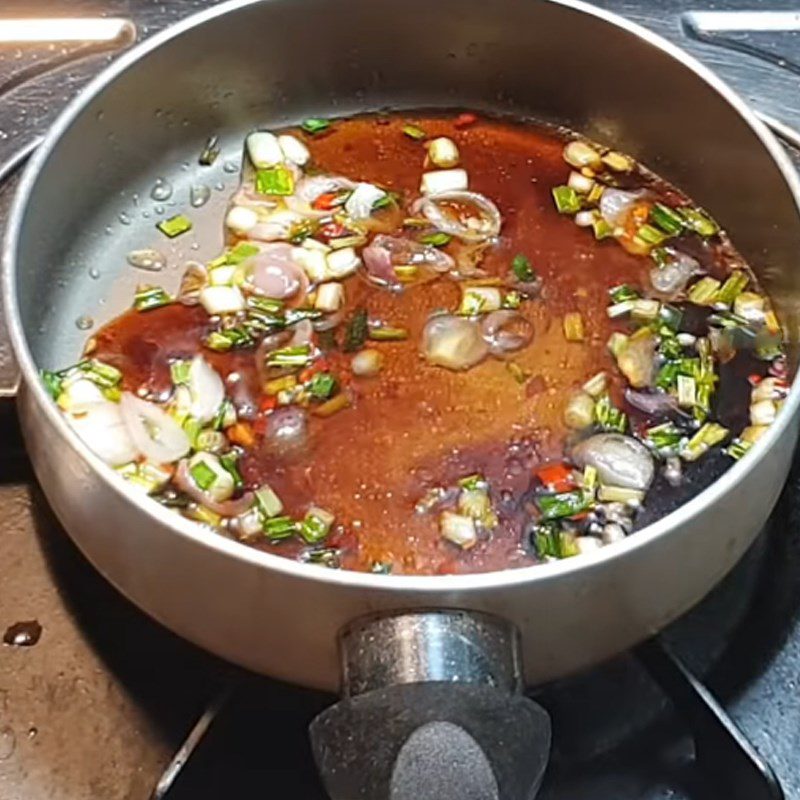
{"points": [[425, 585]]}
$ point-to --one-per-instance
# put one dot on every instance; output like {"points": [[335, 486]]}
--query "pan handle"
{"points": [[432, 709]]}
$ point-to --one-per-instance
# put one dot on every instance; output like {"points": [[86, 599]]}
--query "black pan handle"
{"points": [[432, 710]]}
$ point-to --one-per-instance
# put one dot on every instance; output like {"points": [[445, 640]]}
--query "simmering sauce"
{"points": [[397, 454]]}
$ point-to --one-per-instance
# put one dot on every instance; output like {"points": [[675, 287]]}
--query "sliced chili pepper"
{"points": [[556, 477], [754, 380], [333, 230], [268, 404], [466, 119], [326, 201]]}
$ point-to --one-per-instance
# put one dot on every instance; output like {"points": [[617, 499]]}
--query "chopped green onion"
{"points": [[386, 333], [229, 462], [666, 436], [297, 356], [210, 441], [661, 255], [104, 375], [564, 504], [224, 340], [267, 305], [357, 331], [203, 475], [150, 297], [621, 293], [210, 152], [437, 239], [316, 525], [573, 327], [670, 347], [381, 568], [179, 371], [737, 448], [512, 299], [602, 229], [732, 288], [52, 382], [670, 317], [322, 385], [687, 391], [239, 253], [522, 268], [620, 309], [590, 478], [619, 494], [275, 181], [314, 125], [413, 132], [567, 200], [645, 309], [608, 416], [267, 502], [192, 428], [669, 220], [278, 528], [709, 434], [330, 557], [704, 291], [474, 481], [389, 199], [699, 221], [617, 343], [175, 226], [552, 542], [516, 371], [651, 235]]}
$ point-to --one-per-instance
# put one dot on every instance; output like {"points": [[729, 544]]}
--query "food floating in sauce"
{"points": [[436, 345]]}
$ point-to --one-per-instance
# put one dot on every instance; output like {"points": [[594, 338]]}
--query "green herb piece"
{"points": [[567, 200], [687, 391], [174, 226], [651, 235], [210, 152], [661, 255], [192, 427], [179, 371], [769, 346], [669, 220], [294, 315], [225, 340], [275, 181], [302, 230], [239, 253], [732, 288], [608, 416], [670, 317], [149, 297], [386, 333], [522, 268], [322, 385], [704, 291], [699, 221], [316, 525], [278, 528], [621, 293], [564, 504], [389, 199], [297, 356], [602, 229], [266, 305], [230, 463], [737, 448], [53, 382], [471, 482], [104, 375], [203, 475], [590, 478], [315, 125], [413, 132], [709, 434], [267, 502], [670, 348], [329, 557], [664, 437], [381, 568], [512, 299], [437, 239], [552, 542], [356, 331]]}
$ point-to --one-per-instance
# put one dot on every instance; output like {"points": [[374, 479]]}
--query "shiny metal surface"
{"points": [[198, 583], [436, 645]]}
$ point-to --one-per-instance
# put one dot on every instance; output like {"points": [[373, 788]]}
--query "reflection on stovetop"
{"points": [[99, 705]]}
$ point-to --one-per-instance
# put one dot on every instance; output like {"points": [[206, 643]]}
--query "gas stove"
{"points": [[98, 701]]}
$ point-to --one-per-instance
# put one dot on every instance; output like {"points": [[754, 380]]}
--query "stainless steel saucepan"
{"points": [[438, 662]]}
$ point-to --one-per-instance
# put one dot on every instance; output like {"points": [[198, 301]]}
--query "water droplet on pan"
{"points": [[199, 194], [147, 259], [84, 323], [162, 190]]}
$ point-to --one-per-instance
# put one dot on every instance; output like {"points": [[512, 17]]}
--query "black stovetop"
{"points": [[97, 708]]}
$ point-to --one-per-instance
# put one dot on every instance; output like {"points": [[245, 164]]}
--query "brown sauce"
{"points": [[415, 426]]}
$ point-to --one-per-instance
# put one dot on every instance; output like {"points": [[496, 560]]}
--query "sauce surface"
{"points": [[416, 426]]}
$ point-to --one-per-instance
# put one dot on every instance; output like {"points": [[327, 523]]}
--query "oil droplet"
{"points": [[219, 186], [8, 743], [195, 246], [84, 323], [109, 230], [32, 732], [148, 259], [146, 214], [159, 209], [94, 273], [199, 194], [124, 218], [162, 190], [231, 167]]}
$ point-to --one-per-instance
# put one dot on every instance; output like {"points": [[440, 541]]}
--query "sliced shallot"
{"points": [[670, 278], [103, 431], [310, 188], [273, 272], [619, 460], [616, 204], [225, 508], [467, 215], [206, 389], [506, 331], [154, 432], [453, 342]]}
